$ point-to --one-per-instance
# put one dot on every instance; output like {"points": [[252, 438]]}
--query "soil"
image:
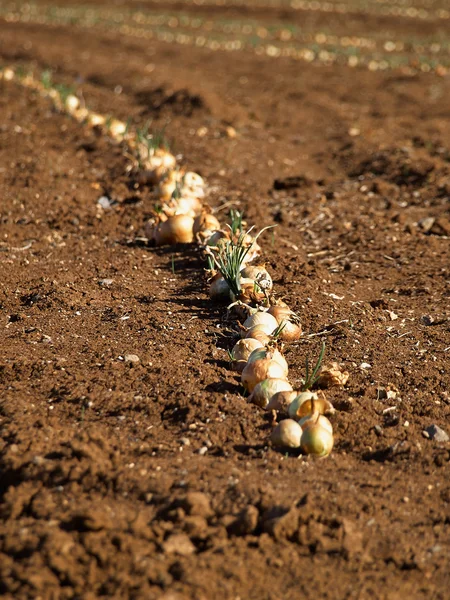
{"points": [[153, 478]]}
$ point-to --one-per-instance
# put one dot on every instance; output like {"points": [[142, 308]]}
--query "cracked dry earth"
{"points": [[153, 478]]}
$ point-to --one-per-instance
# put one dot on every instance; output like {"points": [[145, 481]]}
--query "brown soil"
{"points": [[103, 491]]}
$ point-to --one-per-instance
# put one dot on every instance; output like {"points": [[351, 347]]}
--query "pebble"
{"points": [[433, 432], [203, 450], [105, 202], [185, 441], [132, 358], [427, 223], [105, 282], [179, 543]]}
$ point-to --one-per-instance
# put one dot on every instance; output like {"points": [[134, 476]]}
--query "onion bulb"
{"points": [[219, 290], [241, 352], [316, 419], [307, 402], [258, 333], [72, 104], [287, 434], [96, 120], [281, 401], [259, 275], [316, 438], [263, 319], [259, 370], [206, 222], [273, 354], [117, 129], [292, 329], [176, 230], [266, 389]]}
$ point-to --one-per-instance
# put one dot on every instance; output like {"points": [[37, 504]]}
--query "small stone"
{"points": [[436, 434], [231, 132], [179, 543], [203, 450], [105, 202], [427, 320], [185, 441], [105, 282], [365, 365], [378, 430], [426, 224], [131, 358]]}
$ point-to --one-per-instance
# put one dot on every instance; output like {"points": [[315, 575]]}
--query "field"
{"points": [[131, 463]]}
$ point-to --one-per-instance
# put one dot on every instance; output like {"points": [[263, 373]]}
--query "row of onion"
{"points": [[265, 322]]}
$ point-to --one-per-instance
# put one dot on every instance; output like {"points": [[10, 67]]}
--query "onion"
{"points": [[274, 354], [187, 206], [308, 402], [266, 389], [240, 353], [259, 275], [81, 114], [259, 370], [219, 289], [287, 434], [205, 222], [159, 158], [258, 333], [72, 103], [317, 440], [96, 120], [292, 329], [117, 129], [261, 318], [316, 419], [176, 230], [193, 180], [216, 237], [281, 400]]}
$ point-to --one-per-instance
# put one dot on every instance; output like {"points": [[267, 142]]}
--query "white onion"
{"points": [[266, 389], [287, 434], [259, 370]]}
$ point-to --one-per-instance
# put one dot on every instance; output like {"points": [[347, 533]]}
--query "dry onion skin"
{"points": [[287, 434], [241, 352], [259, 370], [264, 391], [332, 375]]}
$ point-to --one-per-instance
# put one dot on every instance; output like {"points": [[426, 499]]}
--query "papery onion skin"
{"points": [[274, 354], [266, 389], [259, 370], [317, 440], [281, 401], [287, 434]]}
